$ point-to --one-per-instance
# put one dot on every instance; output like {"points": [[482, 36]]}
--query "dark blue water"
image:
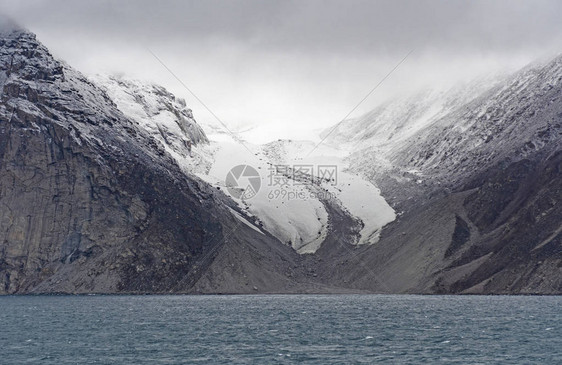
{"points": [[280, 329]]}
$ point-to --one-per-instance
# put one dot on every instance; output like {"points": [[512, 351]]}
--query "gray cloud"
{"points": [[314, 25], [295, 61]]}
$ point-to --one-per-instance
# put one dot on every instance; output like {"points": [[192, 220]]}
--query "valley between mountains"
{"points": [[110, 185]]}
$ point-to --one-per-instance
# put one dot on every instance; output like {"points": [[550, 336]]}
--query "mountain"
{"points": [[95, 201], [162, 115], [109, 185], [477, 184], [295, 212]]}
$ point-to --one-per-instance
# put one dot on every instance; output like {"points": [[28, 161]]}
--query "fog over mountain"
{"points": [[290, 67], [281, 181], [117, 174]]}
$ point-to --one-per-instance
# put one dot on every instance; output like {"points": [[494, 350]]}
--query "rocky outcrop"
{"points": [[156, 109]]}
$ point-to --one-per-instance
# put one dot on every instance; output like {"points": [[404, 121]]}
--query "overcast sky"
{"points": [[293, 66]]}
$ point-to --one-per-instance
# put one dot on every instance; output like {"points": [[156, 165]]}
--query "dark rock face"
{"points": [[490, 202], [80, 213], [518, 215], [460, 236], [92, 203]]}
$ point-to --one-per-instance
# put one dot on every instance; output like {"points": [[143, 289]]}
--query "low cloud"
{"points": [[293, 63]]}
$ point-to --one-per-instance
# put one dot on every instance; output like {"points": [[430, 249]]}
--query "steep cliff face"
{"points": [[91, 202]]}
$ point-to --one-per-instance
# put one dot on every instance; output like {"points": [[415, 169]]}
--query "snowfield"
{"points": [[300, 223], [290, 206], [358, 196]]}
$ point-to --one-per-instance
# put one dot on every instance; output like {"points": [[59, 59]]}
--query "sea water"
{"points": [[280, 329]]}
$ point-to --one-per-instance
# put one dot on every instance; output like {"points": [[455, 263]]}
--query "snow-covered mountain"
{"points": [[476, 177], [110, 185], [397, 120], [95, 201], [292, 210], [445, 136], [162, 115]]}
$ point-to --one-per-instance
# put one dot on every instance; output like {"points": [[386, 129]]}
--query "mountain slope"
{"points": [[479, 190], [91, 202], [293, 211]]}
